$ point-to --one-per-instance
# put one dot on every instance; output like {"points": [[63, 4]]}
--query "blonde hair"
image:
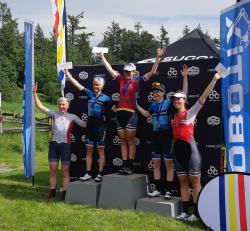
{"points": [[62, 99]]}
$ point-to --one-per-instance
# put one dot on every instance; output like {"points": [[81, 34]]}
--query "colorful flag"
{"points": [[59, 11], [28, 103], [234, 53]]}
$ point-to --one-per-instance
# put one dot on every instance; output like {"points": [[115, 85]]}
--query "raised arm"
{"points": [[37, 100], [159, 54], [210, 87], [72, 80], [106, 64], [142, 111], [184, 73]]}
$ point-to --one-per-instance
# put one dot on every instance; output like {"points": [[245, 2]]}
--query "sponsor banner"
{"points": [[235, 57], [28, 129]]}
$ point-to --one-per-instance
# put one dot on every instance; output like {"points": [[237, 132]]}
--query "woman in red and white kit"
{"points": [[129, 83], [186, 155]]}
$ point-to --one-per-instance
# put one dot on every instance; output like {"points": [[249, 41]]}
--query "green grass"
{"points": [[25, 208]]}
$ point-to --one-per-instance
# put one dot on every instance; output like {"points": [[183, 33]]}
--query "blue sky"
{"points": [[152, 14]]}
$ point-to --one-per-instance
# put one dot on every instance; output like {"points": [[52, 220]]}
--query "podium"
{"points": [[159, 205], [85, 192], [122, 192]]}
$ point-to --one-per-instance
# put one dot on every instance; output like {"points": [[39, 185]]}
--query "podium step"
{"points": [[159, 205], [83, 192], [122, 192]]}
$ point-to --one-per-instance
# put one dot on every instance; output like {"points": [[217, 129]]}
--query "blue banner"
{"points": [[28, 102], [235, 56]]}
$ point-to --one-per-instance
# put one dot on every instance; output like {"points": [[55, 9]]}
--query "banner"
{"points": [[28, 102], [208, 119], [59, 11], [235, 56]]}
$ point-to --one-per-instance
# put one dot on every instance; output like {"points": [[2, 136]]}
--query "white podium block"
{"points": [[86, 192], [122, 192], [160, 206]]}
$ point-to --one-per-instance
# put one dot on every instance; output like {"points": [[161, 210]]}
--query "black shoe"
{"points": [[121, 171], [52, 194], [98, 178], [63, 195], [127, 171]]}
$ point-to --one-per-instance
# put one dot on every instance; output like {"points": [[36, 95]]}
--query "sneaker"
{"points": [[127, 171], [191, 218], [121, 171], [85, 177], [155, 193], [168, 195], [182, 216], [98, 178]]}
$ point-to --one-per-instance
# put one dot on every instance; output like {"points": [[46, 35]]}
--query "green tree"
{"points": [[186, 30], [163, 39]]}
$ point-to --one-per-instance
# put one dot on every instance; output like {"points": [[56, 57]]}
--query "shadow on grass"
{"points": [[15, 187]]}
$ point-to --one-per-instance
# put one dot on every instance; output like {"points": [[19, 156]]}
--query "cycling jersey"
{"points": [[128, 91], [183, 123], [97, 105], [62, 125], [158, 111]]}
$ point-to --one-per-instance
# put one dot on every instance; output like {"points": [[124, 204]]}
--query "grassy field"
{"points": [[25, 208]]}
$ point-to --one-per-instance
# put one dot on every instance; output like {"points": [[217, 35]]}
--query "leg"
{"points": [[184, 187], [101, 158], [65, 175], [53, 166], [169, 169], [196, 183], [124, 145], [130, 137], [89, 154]]}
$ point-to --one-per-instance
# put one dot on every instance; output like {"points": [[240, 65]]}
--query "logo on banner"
{"points": [[172, 73], [115, 97], [69, 96], [137, 141], [117, 162], [149, 119], [213, 121], [150, 165], [73, 157], [83, 138], [193, 71], [214, 146], [170, 94], [150, 97], [72, 138], [214, 96], [212, 171], [235, 43], [116, 140], [83, 75], [84, 117]]}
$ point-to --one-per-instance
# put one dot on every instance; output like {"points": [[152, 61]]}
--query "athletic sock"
{"points": [[63, 195], [100, 173], [87, 172], [158, 185], [125, 163], [169, 186], [130, 164], [185, 206], [52, 193], [195, 212]]}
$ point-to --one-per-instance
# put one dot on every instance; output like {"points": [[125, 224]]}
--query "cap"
{"points": [[129, 67], [157, 86], [180, 94]]}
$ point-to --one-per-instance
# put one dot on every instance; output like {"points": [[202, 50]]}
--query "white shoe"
{"points": [[85, 177], [98, 178], [155, 193], [168, 195], [192, 218], [182, 216]]}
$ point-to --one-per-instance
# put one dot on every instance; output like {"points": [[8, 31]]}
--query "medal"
{"points": [[158, 125]]}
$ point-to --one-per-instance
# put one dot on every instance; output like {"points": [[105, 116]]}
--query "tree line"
{"points": [[125, 45]]}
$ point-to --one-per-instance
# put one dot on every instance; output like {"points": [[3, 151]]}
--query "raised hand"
{"points": [[160, 52], [35, 87], [217, 76], [184, 70]]}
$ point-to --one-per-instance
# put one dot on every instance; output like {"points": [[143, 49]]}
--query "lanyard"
{"points": [[125, 87], [159, 112]]}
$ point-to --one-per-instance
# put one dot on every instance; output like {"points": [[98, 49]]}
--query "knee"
{"points": [[65, 172], [196, 186], [123, 140], [169, 165], [53, 172], [157, 165]]}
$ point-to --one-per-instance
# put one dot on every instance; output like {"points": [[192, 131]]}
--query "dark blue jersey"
{"points": [[159, 113], [97, 105]]}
